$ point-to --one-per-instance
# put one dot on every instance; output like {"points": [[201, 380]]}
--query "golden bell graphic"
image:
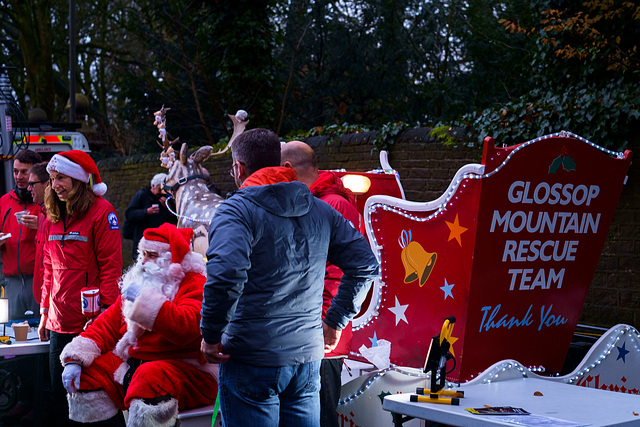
{"points": [[416, 262]]}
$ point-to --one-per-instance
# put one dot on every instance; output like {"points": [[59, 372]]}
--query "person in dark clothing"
{"points": [[148, 209]]}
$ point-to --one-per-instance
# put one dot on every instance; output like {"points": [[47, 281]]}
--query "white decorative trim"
{"points": [[118, 374], [163, 414], [153, 245], [67, 167], [129, 339], [602, 357], [193, 262], [91, 407], [99, 189], [80, 349]]}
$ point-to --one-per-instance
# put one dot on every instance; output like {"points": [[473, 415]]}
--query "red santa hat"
{"points": [[173, 239], [169, 238], [78, 165]]}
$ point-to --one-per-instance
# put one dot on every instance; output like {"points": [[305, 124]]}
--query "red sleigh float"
{"points": [[509, 250]]}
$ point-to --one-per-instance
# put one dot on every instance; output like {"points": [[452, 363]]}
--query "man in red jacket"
{"points": [[38, 183], [18, 251], [327, 187], [143, 353]]}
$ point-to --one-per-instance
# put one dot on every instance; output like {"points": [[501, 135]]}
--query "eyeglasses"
{"points": [[233, 166], [32, 183]]}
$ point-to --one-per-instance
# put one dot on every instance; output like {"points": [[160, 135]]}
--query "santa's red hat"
{"points": [[79, 165], [167, 238], [177, 241]]}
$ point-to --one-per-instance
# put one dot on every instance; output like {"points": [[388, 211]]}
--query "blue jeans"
{"points": [[270, 396]]}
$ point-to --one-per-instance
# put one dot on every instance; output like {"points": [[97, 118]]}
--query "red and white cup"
{"points": [[90, 301]]}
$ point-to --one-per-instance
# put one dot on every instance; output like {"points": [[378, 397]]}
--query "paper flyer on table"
{"points": [[539, 420]]}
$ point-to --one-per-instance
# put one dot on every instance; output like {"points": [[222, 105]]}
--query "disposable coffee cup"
{"points": [[20, 214], [90, 302], [20, 331]]}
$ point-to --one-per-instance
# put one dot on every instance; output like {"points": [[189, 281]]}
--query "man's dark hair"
{"points": [[28, 156], [257, 149], [40, 170]]}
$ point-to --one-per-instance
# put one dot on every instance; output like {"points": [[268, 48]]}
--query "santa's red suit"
{"points": [[160, 331]]}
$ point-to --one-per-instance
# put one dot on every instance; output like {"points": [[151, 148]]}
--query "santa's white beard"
{"points": [[159, 275], [162, 276]]}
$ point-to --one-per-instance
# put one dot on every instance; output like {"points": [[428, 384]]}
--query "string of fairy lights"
{"points": [[620, 332], [188, 218]]}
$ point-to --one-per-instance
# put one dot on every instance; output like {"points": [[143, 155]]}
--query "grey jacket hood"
{"points": [[284, 199]]}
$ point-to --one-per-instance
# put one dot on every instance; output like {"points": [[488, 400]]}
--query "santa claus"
{"points": [[143, 352]]}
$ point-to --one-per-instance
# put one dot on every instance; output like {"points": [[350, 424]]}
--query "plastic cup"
{"points": [[20, 331], [20, 214]]}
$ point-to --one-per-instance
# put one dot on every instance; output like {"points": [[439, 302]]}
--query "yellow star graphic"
{"points": [[451, 341], [455, 230]]}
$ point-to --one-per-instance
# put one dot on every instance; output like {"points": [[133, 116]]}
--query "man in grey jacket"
{"points": [[261, 313]]}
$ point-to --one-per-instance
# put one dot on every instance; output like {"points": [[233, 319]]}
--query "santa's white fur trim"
{"points": [[146, 307], [91, 407], [163, 414], [128, 340], [99, 189], [153, 246], [118, 375], [80, 349], [176, 272], [194, 263]]}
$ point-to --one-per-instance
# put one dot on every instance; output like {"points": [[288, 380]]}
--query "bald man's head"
{"points": [[298, 156]]}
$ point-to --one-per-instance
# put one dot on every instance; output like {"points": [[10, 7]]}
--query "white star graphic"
{"points": [[447, 289], [399, 310]]}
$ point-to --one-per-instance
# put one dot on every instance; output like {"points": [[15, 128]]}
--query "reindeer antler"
{"points": [[166, 144], [168, 156], [239, 124]]}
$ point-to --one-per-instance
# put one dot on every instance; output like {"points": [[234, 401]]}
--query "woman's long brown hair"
{"points": [[78, 202]]}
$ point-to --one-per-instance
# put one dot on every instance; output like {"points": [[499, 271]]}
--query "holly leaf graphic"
{"points": [[557, 162], [568, 164]]}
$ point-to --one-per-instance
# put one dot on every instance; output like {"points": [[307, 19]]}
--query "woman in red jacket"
{"points": [[83, 250]]}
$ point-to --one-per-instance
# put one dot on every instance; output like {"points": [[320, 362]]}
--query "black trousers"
{"points": [[57, 341], [330, 384]]}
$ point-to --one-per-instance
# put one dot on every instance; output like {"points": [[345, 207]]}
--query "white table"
{"points": [[567, 402], [33, 345]]}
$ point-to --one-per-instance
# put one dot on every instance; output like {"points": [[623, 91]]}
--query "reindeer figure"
{"points": [[186, 180]]}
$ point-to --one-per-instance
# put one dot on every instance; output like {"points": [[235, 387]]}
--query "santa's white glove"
{"points": [[132, 291], [71, 375]]}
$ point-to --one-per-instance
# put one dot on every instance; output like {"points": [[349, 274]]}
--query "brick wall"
{"points": [[426, 168]]}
